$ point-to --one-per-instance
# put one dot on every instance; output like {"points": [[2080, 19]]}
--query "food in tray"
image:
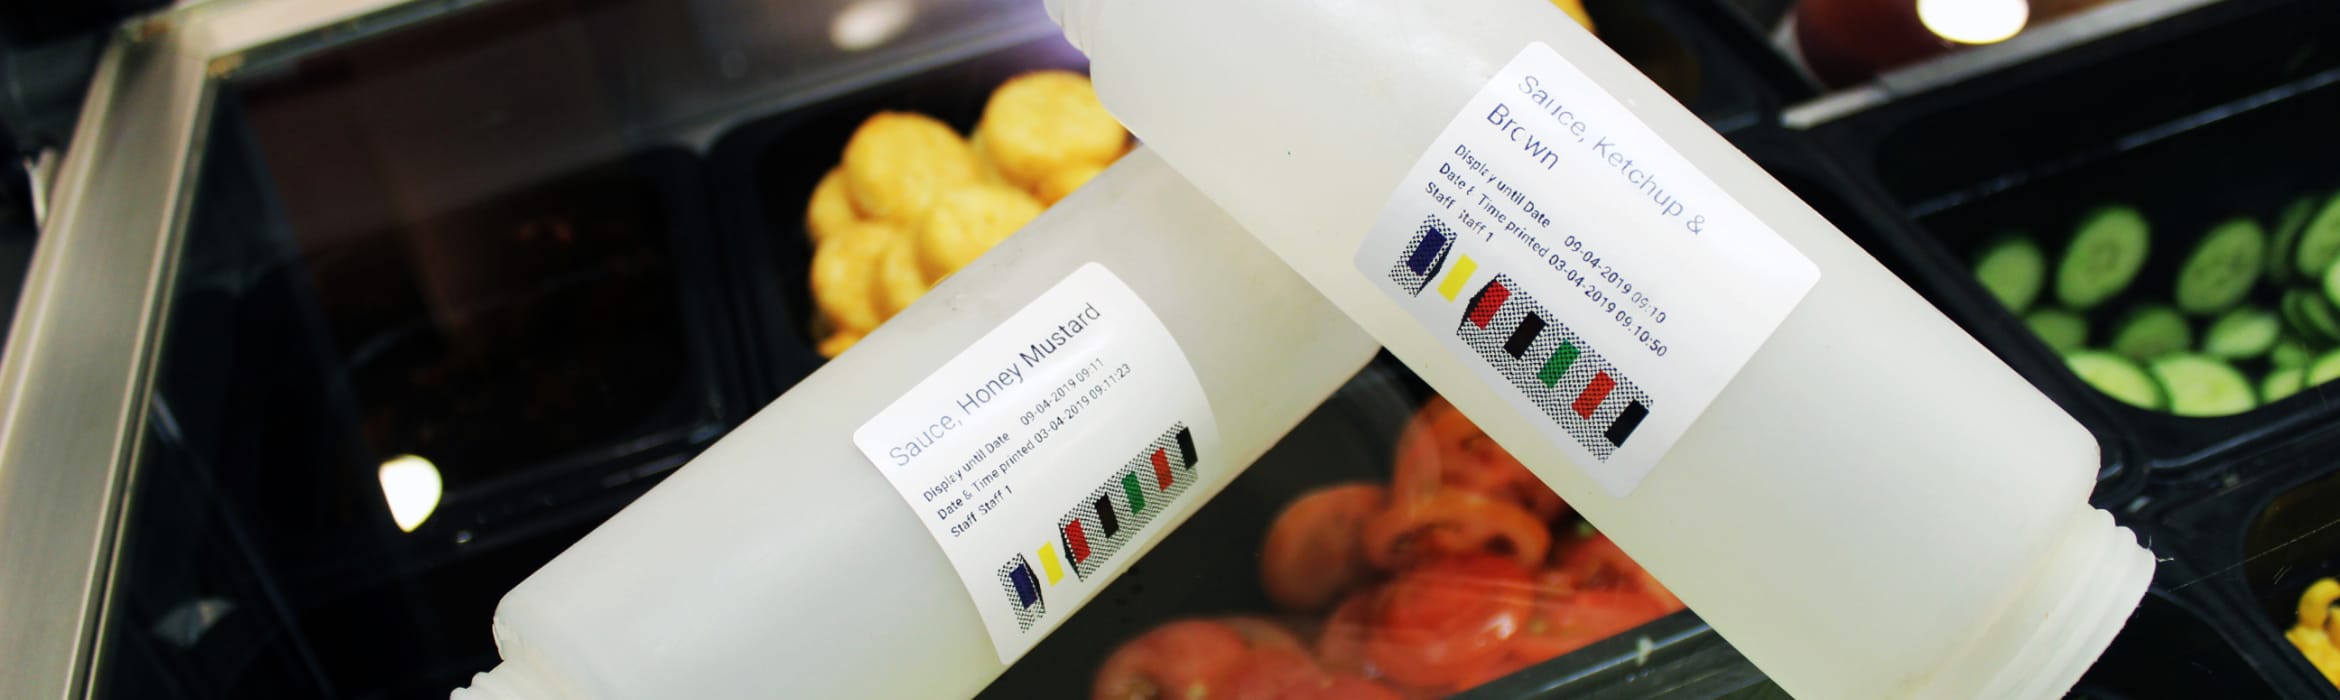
{"points": [[2251, 316], [2314, 632], [913, 202], [1464, 569], [900, 280], [841, 279], [897, 163], [1044, 122], [1060, 184], [831, 207], [969, 220], [1312, 555]]}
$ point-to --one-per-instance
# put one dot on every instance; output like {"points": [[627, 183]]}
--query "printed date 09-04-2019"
{"points": [[1620, 307]]}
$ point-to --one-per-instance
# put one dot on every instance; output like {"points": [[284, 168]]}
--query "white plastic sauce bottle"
{"points": [[1849, 488], [782, 563]]}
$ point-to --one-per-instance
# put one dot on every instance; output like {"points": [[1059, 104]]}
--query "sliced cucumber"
{"points": [[2014, 269], [2222, 268], [2326, 368], [2312, 315], [2117, 377], [2103, 258], [2332, 283], [2291, 353], [2062, 330], [2286, 235], [2280, 384], [2201, 387], [2152, 331], [2242, 334], [2319, 241]]}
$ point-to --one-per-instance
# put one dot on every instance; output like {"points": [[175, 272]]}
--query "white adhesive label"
{"points": [[1581, 266], [1044, 457]]}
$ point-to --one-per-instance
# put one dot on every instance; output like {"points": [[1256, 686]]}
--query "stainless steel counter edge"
{"points": [[74, 376]]}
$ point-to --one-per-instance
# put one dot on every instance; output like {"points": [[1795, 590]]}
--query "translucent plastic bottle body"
{"points": [[780, 563], [1874, 507]]}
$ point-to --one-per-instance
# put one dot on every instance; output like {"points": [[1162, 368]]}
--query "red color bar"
{"points": [[1076, 540], [1161, 469], [1489, 300], [1594, 392]]}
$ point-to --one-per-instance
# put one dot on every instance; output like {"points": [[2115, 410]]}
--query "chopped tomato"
{"points": [[1273, 674], [1263, 633], [1439, 623], [1442, 450], [1313, 553], [1340, 648], [1347, 688], [1454, 523], [1185, 659]]}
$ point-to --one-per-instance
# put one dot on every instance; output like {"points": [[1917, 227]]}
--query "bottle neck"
{"points": [[511, 680], [2053, 632]]}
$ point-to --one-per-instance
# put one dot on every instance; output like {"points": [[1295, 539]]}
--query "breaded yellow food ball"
{"points": [[837, 343], [900, 280], [897, 162], [844, 273], [1060, 184], [986, 170], [967, 221], [831, 207], [1042, 122]]}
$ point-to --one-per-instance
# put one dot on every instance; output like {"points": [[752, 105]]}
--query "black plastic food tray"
{"points": [[2221, 111], [2247, 537], [766, 171]]}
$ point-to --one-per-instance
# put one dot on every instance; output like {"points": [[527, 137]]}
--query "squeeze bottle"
{"points": [[1850, 489], [781, 563]]}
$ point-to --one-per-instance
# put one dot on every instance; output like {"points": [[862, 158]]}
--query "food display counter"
{"points": [[347, 316]]}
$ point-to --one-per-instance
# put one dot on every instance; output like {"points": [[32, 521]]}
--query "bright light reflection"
{"points": [[412, 486], [1974, 21], [868, 23]]}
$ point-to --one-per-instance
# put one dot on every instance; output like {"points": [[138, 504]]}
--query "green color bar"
{"points": [[1558, 365], [1137, 499]]}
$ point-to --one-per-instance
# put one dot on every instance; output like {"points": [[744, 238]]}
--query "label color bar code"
{"points": [[1423, 255], [1137, 498], [1594, 392], [1161, 469], [1076, 541], [1529, 328], [1114, 523], [1105, 515], [1489, 300], [1458, 277], [1552, 367]]}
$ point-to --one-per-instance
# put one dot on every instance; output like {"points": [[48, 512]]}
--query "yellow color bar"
{"points": [[1457, 276], [1048, 563]]}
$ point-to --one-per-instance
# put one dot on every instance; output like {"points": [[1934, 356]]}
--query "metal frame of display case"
{"points": [[74, 381], [77, 374], [78, 370]]}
